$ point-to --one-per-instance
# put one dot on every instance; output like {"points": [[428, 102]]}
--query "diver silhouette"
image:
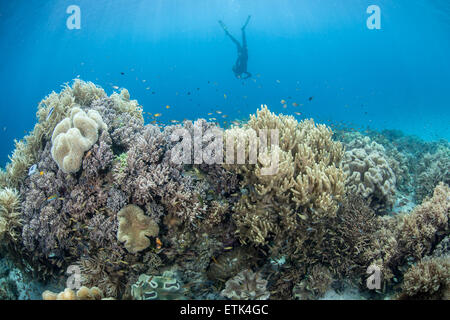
{"points": [[240, 67]]}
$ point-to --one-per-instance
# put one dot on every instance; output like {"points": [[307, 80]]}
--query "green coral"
{"points": [[164, 287]]}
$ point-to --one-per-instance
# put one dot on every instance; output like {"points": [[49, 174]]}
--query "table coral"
{"points": [[134, 227]]}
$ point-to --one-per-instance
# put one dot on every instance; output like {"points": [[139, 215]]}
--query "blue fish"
{"points": [[50, 113]]}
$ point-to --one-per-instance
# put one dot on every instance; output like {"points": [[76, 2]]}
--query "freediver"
{"points": [[240, 67]]}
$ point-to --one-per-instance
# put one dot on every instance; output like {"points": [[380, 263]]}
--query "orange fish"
{"points": [[158, 243]]}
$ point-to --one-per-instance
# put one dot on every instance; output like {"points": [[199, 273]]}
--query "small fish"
{"points": [[167, 107], [310, 98], [227, 248], [283, 101], [148, 88], [174, 121], [50, 113], [51, 198], [224, 96], [41, 173], [295, 104], [157, 115], [32, 169], [158, 243], [219, 112], [210, 113], [298, 113], [115, 87], [122, 73]]}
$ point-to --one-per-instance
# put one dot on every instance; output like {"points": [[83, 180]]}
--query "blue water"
{"points": [[397, 77]]}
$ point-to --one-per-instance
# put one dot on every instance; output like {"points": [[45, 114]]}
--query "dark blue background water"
{"points": [[396, 78]]}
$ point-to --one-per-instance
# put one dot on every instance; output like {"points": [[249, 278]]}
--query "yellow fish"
{"points": [[224, 96], [41, 173], [157, 115], [167, 107]]}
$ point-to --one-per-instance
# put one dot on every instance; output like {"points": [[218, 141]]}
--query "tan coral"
{"points": [[10, 215], [83, 293], [369, 173], [73, 136], [428, 279], [304, 190], [134, 228]]}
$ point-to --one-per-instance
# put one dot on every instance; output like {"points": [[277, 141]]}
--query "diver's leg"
{"points": [[244, 38], [229, 35], [246, 22]]}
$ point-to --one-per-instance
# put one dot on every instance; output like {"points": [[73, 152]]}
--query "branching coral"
{"points": [[314, 286], [428, 279], [246, 285], [411, 236], [432, 169], [283, 208], [417, 231], [134, 227], [10, 215]]}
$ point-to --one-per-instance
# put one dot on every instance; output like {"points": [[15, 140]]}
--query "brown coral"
{"points": [[428, 279]]}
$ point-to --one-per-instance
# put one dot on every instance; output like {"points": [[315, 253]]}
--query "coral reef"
{"points": [[246, 285], [119, 204], [134, 228]]}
